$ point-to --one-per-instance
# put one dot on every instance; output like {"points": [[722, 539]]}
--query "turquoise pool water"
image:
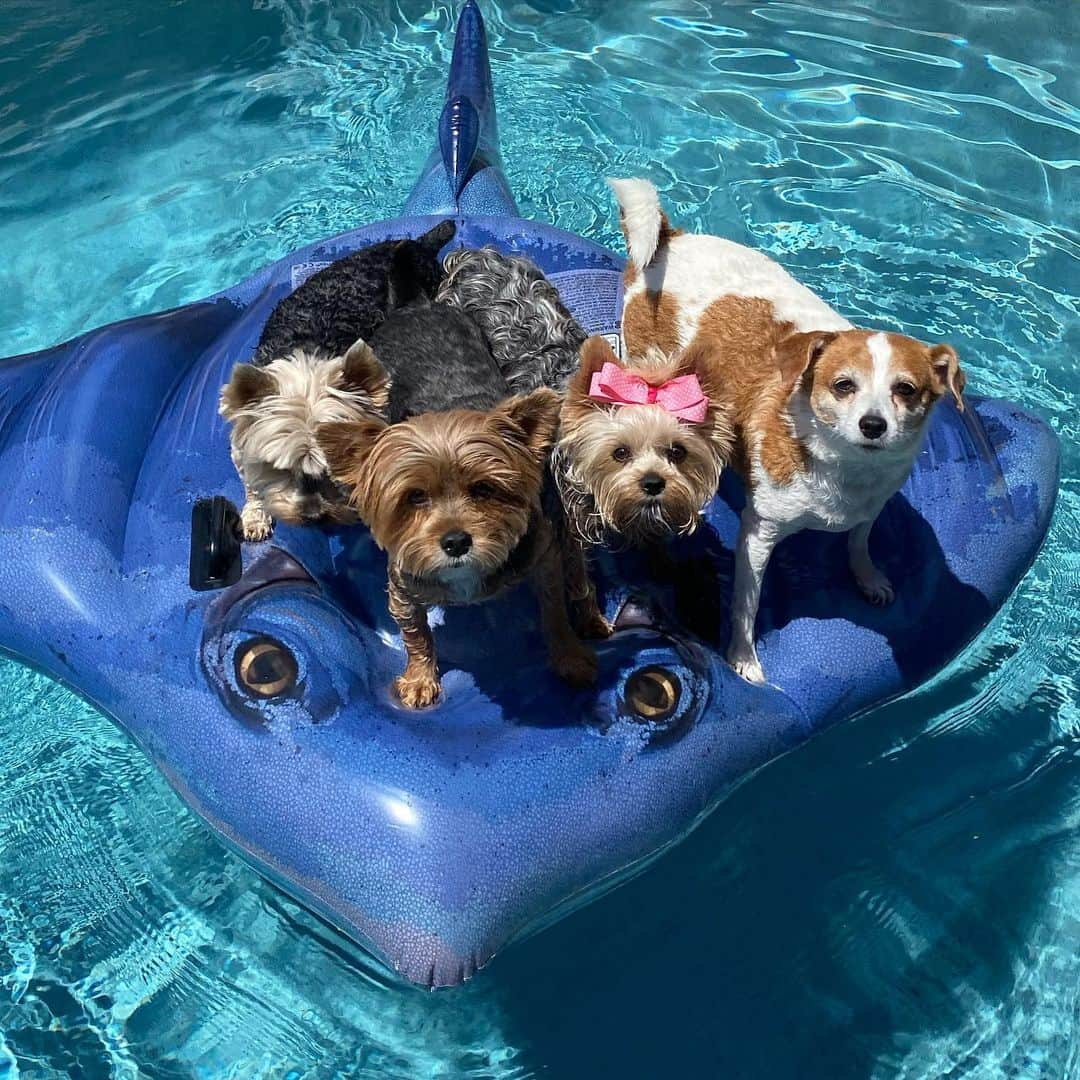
{"points": [[900, 898]]}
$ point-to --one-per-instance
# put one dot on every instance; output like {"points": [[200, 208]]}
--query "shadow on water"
{"points": [[832, 911]]}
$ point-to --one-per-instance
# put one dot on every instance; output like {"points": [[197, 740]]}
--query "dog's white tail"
{"points": [[642, 218]]}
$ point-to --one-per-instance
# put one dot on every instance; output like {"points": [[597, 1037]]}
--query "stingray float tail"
{"points": [[463, 174]]}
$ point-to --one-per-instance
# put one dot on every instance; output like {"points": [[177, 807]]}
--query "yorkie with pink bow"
{"points": [[641, 445], [640, 450]]}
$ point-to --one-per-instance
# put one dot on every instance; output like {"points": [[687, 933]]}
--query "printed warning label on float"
{"points": [[594, 298], [302, 271]]}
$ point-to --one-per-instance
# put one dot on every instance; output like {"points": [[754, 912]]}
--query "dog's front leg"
{"points": [[585, 614], [757, 538], [419, 686], [873, 584], [255, 521], [572, 660]]}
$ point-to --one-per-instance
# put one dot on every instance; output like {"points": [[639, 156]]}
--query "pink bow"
{"points": [[682, 396]]}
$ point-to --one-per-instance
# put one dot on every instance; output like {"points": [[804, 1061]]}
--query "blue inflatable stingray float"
{"points": [[433, 838]]}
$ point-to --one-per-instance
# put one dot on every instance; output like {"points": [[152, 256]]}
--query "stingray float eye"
{"points": [[265, 668], [653, 694]]}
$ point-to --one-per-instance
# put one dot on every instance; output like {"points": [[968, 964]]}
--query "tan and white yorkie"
{"points": [[454, 496], [274, 411], [641, 445]]}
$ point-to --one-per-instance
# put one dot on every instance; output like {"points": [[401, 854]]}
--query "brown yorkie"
{"points": [[641, 446], [454, 498]]}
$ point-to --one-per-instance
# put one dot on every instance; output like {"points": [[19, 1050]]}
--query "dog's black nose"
{"points": [[873, 427], [456, 543], [652, 483]]}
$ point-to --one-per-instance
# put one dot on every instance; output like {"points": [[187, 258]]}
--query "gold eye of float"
{"points": [[265, 668], [653, 693]]}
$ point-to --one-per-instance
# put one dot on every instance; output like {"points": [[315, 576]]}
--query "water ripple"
{"points": [[899, 898]]}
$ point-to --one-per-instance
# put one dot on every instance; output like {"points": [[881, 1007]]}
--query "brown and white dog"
{"points": [[828, 418]]}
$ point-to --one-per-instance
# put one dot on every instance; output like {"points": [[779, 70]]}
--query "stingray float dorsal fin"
{"points": [[459, 138]]}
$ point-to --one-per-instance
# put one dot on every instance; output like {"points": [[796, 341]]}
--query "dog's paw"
{"points": [[589, 623], [418, 690], [576, 666], [876, 587], [747, 665], [255, 524]]}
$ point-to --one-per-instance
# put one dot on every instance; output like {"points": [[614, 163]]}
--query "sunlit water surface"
{"points": [[900, 898]]}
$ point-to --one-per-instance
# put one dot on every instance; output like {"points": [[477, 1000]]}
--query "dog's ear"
{"points": [[246, 385], [436, 239], [404, 281], [947, 373], [531, 419], [361, 370], [414, 266], [797, 354], [697, 359], [347, 445], [594, 354]]}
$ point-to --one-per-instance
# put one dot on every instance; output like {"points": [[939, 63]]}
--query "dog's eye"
{"points": [[843, 387], [621, 453], [905, 389], [653, 693], [265, 668], [481, 491], [417, 497], [676, 453]]}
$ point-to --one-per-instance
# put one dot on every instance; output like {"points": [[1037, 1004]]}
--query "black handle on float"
{"points": [[216, 561]]}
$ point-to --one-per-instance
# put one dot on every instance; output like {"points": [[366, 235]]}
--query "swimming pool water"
{"points": [[901, 897]]}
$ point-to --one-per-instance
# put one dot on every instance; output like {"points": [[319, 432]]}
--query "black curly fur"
{"points": [[437, 359], [534, 339], [350, 298]]}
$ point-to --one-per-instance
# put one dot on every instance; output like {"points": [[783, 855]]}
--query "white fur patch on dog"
{"points": [[696, 270], [881, 353]]}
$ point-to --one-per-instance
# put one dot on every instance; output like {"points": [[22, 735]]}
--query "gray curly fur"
{"points": [[534, 339]]}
